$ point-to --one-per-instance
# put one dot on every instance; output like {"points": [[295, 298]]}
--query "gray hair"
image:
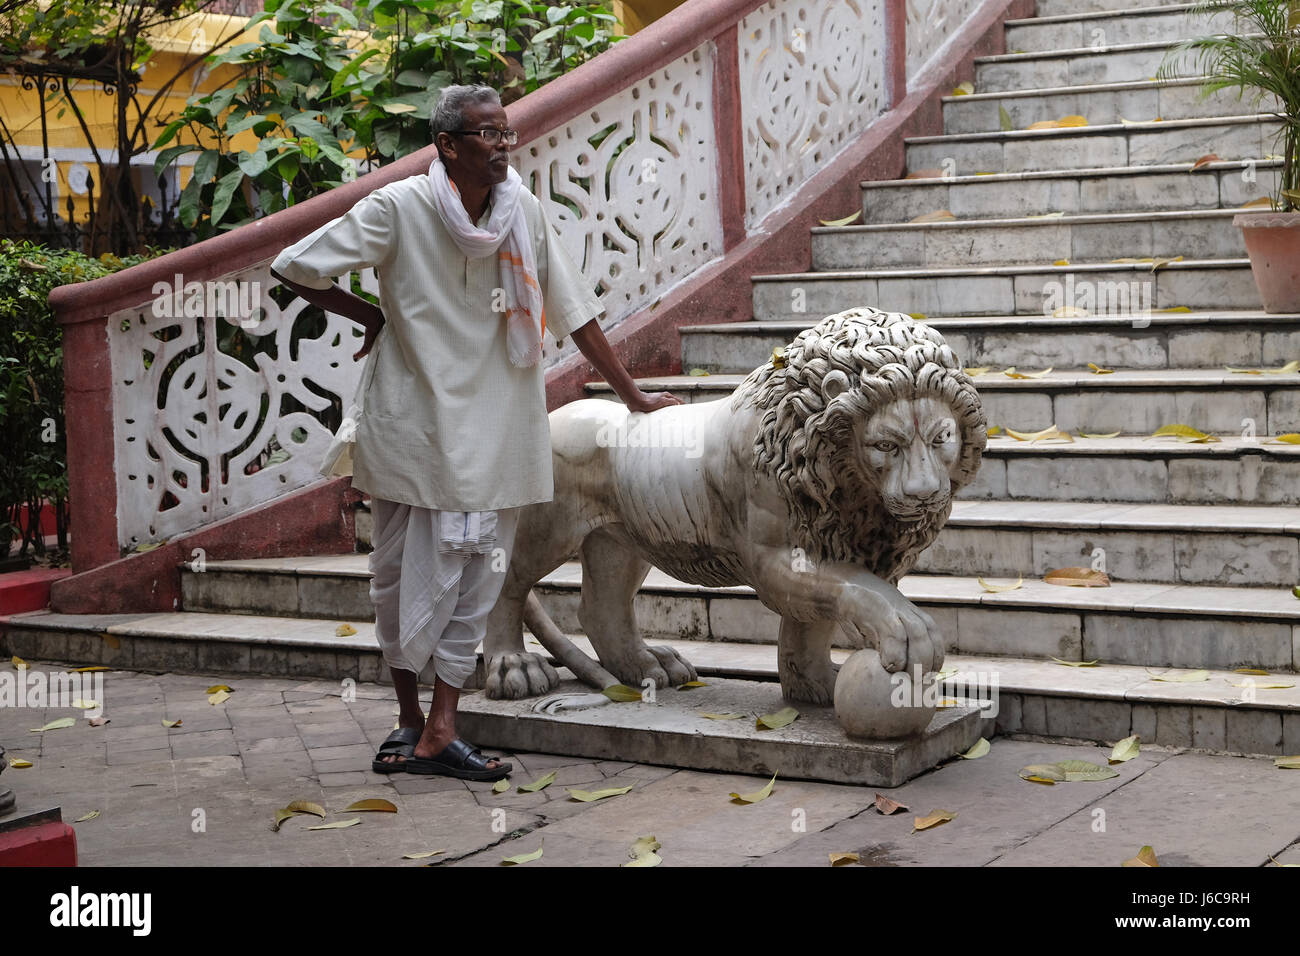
{"points": [[449, 114]]}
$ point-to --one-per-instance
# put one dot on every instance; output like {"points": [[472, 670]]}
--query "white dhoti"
{"points": [[435, 576]]}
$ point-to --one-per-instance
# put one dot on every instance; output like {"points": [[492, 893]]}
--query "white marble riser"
{"points": [[1131, 26], [1193, 235], [1140, 144], [1085, 65], [1105, 103], [1024, 290], [1062, 8], [1128, 190], [1039, 344]]}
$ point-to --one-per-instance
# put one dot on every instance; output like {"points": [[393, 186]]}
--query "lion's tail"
{"points": [[563, 649]]}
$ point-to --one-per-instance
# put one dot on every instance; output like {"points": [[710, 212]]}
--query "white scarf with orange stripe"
{"points": [[506, 234]]}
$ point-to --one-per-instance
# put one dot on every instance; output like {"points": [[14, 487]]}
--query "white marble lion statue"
{"points": [[818, 484]]}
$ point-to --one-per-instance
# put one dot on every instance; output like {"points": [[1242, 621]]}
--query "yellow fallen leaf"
{"points": [[964, 89], [1074, 120], [1047, 434], [344, 630], [926, 174], [1012, 373], [1281, 763], [86, 816], [337, 824], [938, 215], [591, 796], [934, 819], [1044, 124], [1106, 435], [1061, 262], [1077, 663], [171, 723], [947, 702], [721, 716], [999, 588], [1205, 161], [1036, 779], [541, 783], [524, 857], [1042, 773], [1098, 370], [1070, 312], [86, 670], [18, 763], [1263, 202], [841, 222], [1175, 308], [1077, 578], [622, 694], [994, 431], [1254, 686], [423, 855], [19, 663], [85, 704], [306, 806], [776, 721], [976, 372], [757, 795], [1005, 121], [1126, 749], [1251, 670], [1159, 263], [1290, 438], [778, 357], [59, 724], [220, 697], [217, 688], [280, 817], [1286, 369], [1181, 431], [375, 804], [501, 786], [692, 684], [642, 852], [699, 372], [916, 316], [977, 750], [1189, 677], [843, 859], [1145, 857]]}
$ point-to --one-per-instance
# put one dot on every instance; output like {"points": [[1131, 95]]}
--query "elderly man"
{"points": [[452, 438]]}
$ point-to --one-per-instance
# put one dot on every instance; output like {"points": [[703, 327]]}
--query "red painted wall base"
{"points": [[44, 844], [28, 590]]}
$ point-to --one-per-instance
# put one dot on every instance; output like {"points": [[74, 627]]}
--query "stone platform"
{"points": [[671, 732]]}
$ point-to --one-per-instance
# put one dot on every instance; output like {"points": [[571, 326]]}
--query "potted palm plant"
{"points": [[1261, 59]]}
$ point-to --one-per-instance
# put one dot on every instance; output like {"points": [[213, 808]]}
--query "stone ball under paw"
{"points": [[873, 704]]}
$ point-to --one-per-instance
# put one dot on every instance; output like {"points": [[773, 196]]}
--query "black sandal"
{"points": [[461, 760], [401, 743]]}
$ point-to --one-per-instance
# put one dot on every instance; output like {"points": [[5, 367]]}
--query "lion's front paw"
{"points": [[513, 676]]}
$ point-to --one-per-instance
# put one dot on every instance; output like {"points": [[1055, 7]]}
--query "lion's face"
{"points": [[908, 450]]}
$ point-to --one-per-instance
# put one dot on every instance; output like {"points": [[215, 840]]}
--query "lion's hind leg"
{"points": [[611, 575]]}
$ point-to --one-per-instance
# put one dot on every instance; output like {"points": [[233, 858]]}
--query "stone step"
{"points": [[1140, 469], [1060, 8], [1161, 340], [1026, 289], [1247, 136], [1130, 402], [1217, 185], [1098, 103], [1140, 623], [1194, 234], [1210, 545], [1076, 30], [1073, 67]]}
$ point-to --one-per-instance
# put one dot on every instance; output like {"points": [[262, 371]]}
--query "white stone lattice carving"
{"points": [[201, 434], [812, 77], [930, 25], [632, 187]]}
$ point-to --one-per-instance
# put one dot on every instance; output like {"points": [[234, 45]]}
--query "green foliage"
{"points": [[33, 466], [1261, 57], [327, 82]]}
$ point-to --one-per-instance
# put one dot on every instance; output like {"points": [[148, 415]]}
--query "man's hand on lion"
{"points": [[649, 401], [904, 635]]}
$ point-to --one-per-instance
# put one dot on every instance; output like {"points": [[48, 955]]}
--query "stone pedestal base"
{"points": [[671, 732]]}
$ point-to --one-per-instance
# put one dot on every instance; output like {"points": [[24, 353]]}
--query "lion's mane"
{"points": [[805, 444]]}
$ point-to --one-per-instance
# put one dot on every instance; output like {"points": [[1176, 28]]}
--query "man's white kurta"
{"points": [[447, 422]]}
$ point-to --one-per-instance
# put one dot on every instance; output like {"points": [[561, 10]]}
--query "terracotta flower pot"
{"points": [[1273, 242]]}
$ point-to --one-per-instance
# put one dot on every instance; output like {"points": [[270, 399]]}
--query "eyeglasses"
{"points": [[490, 136]]}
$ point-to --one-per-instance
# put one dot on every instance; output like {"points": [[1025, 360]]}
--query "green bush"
{"points": [[33, 463]]}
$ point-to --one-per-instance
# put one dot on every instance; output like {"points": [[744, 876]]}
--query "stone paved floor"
{"points": [[206, 792]]}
